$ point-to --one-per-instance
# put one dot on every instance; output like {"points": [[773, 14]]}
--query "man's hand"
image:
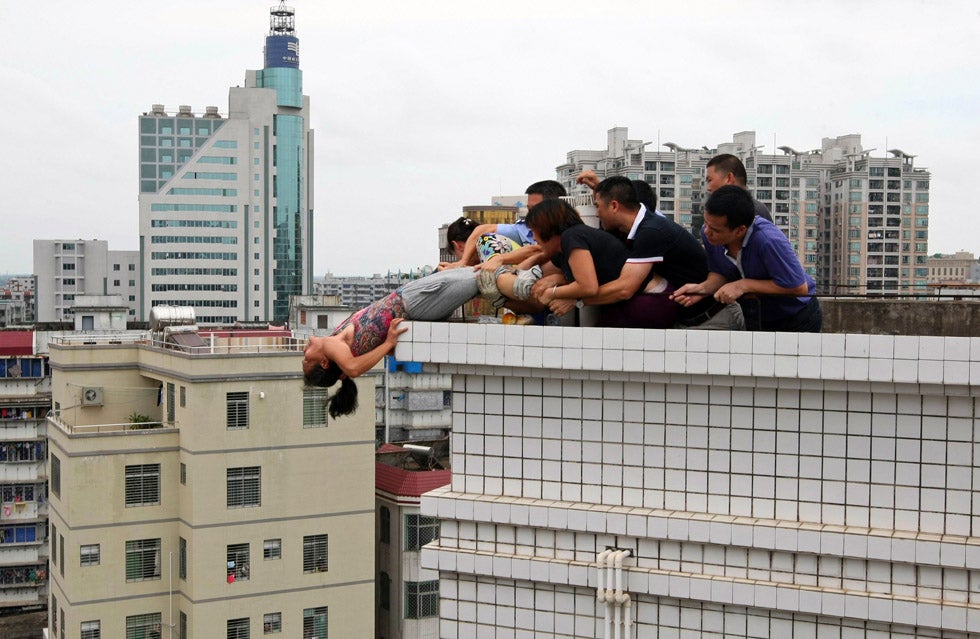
{"points": [[588, 178], [445, 266], [730, 292], [689, 294]]}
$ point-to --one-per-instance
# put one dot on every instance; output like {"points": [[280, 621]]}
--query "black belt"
{"points": [[701, 318]]}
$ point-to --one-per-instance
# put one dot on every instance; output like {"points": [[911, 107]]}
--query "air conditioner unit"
{"points": [[92, 396]]}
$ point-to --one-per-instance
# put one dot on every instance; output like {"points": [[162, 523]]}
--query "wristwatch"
{"points": [[579, 304]]}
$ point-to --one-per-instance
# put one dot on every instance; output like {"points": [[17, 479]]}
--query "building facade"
{"points": [[859, 224], [64, 269], [226, 203], [632, 483], [408, 594], [355, 291], [182, 499], [956, 268], [25, 396]]}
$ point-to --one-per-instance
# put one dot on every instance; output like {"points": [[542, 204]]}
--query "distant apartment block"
{"points": [[959, 267], [356, 292], [199, 490], [17, 301], [65, 269], [859, 224], [25, 396], [226, 202]]}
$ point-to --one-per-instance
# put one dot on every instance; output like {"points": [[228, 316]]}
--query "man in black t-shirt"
{"points": [[663, 256]]}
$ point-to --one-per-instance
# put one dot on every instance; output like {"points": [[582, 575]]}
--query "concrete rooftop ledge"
{"points": [[901, 359]]}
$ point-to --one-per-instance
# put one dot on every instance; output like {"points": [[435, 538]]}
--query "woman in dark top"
{"points": [[581, 257]]}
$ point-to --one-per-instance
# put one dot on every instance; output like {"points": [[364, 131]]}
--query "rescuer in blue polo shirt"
{"points": [[752, 262]]}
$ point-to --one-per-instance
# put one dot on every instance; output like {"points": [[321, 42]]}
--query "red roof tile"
{"points": [[16, 342], [409, 483]]}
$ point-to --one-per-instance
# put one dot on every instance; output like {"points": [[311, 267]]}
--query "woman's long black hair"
{"points": [[344, 401]]}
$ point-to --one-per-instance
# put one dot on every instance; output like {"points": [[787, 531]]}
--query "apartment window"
{"points": [[143, 626], [54, 544], [115, 282], [314, 553], [314, 407], [61, 549], [55, 475], [315, 623], [67, 267], [132, 267], [384, 523], [54, 615], [183, 473], [272, 549], [384, 591], [91, 630], [91, 555], [238, 628], [244, 487], [183, 396], [143, 485], [237, 558], [142, 559], [272, 623], [182, 558], [421, 599], [171, 403], [236, 410], [419, 531], [183, 625]]}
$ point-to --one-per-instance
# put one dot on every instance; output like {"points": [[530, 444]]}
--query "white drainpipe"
{"points": [[601, 566], [628, 616]]}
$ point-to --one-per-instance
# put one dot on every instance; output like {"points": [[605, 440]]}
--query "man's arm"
{"points": [[469, 257], [731, 291], [625, 286], [693, 293], [517, 256]]}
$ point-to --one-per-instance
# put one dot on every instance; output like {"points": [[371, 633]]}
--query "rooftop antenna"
{"points": [[282, 20]]}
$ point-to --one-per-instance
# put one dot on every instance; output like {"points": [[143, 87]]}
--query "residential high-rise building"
{"points": [[65, 269], [408, 595], [954, 268], [858, 223], [25, 395], [226, 203], [202, 491]]}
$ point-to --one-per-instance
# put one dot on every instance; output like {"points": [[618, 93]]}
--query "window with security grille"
{"points": [[419, 531], [183, 473], [54, 615], [244, 487], [182, 559], [236, 410], [91, 554], [237, 557], [315, 553], [421, 599], [315, 623], [142, 559], [143, 626], [272, 549], [384, 523], [55, 478], [314, 407], [143, 485], [171, 404], [91, 630], [272, 623], [238, 628]]}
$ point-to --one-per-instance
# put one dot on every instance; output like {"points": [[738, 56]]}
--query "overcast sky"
{"points": [[421, 107]]}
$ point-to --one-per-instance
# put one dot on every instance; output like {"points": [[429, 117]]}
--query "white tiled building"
{"points": [[765, 485]]}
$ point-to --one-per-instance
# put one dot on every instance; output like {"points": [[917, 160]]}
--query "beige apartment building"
{"points": [[202, 491]]}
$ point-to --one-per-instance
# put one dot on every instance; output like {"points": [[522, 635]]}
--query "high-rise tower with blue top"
{"points": [[226, 203]]}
